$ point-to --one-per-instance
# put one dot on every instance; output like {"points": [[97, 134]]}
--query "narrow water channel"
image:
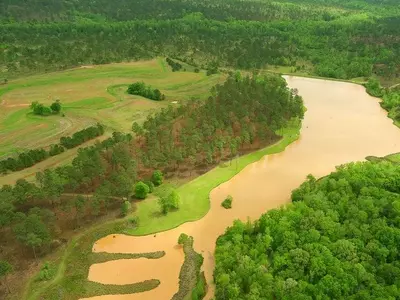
{"points": [[342, 124]]}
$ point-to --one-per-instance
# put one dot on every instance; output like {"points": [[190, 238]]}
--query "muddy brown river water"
{"points": [[342, 124]]}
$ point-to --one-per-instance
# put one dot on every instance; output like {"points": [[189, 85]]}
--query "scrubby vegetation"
{"points": [[339, 239], [175, 66], [140, 89], [227, 203], [29, 158], [141, 190], [191, 280]]}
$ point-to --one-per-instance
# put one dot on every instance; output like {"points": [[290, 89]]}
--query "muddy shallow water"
{"points": [[342, 124]]}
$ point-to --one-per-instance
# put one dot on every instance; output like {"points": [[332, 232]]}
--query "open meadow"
{"points": [[88, 95]]}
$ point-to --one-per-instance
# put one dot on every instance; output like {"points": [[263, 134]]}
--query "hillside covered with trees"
{"points": [[338, 240], [242, 115], [331, 38]]}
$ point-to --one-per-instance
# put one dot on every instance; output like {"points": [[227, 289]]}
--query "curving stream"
{"points": [[342, 124]]}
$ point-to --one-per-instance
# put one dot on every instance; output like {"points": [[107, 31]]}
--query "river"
{"points": [[342, 124]]}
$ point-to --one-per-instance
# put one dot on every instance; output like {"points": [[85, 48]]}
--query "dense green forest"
{"points": [[338, 240], [242, 115], [340, 39]]}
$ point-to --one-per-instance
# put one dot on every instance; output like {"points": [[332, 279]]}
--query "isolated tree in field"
{"points": [[169, 202], [56, 107], [125, 208], [141, 190], [5, 269], [157, 178]]}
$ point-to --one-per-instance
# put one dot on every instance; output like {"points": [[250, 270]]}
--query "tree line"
{"points": [[220, 10], [338, 240], [242, 115], [141, 89], [31, 157], [343, 44]]}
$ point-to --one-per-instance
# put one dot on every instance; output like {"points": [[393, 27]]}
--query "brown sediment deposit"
{"points": [[342, 124]]}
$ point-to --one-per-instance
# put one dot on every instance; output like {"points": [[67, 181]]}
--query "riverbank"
{"points": [[73, 261], [328, 126]]}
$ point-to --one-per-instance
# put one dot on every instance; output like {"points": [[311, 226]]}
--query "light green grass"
{"points": [[89, 95], [195, 194], [90, 103]]}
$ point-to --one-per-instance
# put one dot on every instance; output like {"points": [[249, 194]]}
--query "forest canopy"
{"points": [[338, 240], [331, 38]]}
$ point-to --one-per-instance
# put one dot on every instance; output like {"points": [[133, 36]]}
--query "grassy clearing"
{"points": [[90, 103], [75, 259], [89, 95], [198, 190]]}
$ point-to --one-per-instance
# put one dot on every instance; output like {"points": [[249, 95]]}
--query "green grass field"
{"points": [[90, 94]]}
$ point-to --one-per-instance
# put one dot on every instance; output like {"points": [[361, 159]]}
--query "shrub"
{"points": [[227, 203], [141, 190], [133, 221], [47, 272], [157, 178], [182, 238], [56, 107], [169, 203], [125, 208], [374, 88], [150, 185]]}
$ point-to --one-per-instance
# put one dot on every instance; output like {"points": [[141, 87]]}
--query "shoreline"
{"points": [[32, 292]]}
